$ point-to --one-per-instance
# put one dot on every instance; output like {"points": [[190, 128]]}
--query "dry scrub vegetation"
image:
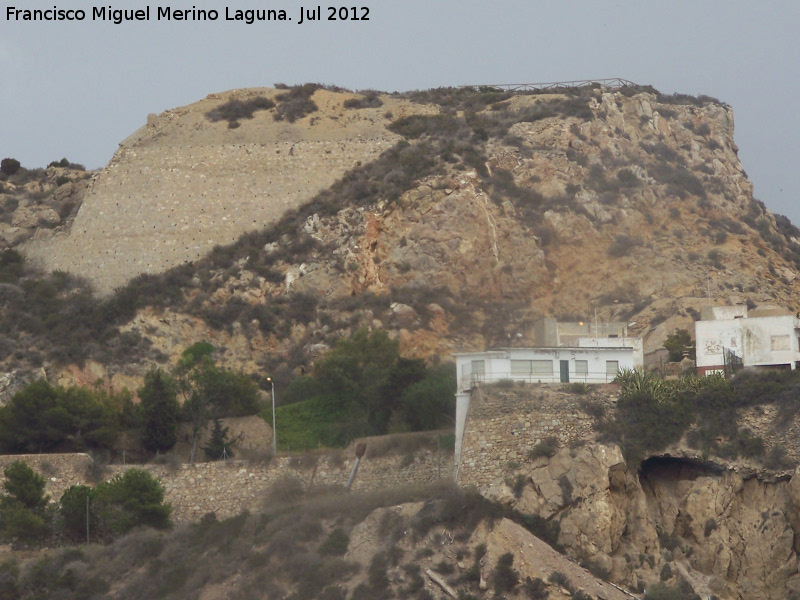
{"points": [[318, 543]]}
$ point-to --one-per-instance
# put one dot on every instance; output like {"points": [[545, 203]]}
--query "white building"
{"points": [[727, 334], [592, 364]]}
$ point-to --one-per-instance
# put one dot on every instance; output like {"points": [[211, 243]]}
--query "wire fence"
{"points": [[614, 82]]}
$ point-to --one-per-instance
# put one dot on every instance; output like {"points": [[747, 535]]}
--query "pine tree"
{"points": [[161, 411], [218, 442]]}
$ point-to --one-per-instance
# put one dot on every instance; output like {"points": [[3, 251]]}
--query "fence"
{"points": [[475, 379], [614, 82]]}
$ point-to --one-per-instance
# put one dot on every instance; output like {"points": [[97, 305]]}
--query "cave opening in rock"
{"points": [[672, 467]]}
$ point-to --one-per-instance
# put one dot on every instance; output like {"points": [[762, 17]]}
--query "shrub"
{"points": [[680, 181], [73, 513], [715, 258], [42, 418], [536, 589], [65, 164], [577, 387], [129, 500], [218, 445], [622, 245], [367, 99], [505, 578], [234, 110], [559, 578], [547, 447], [679, 342], [777, 459], [296, 103], [9, 166], [336, 543], [445, 567], [23, 505], [661, 591]]}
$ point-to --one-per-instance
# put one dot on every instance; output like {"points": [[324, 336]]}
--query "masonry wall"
{"points": [[504, 423], [227, 488], [154, 207]]}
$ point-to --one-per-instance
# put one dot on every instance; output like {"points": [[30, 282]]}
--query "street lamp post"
{"points": [[274, 424]]}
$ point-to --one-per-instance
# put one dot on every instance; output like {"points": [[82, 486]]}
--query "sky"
{"points": [[76, 89]]}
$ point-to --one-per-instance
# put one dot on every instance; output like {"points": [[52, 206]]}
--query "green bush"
{"points": [[23, 506], [679, 342], [9, 166], [73, 514], [430, 403], [44, 418], [219, 445], [129, 500], [361, 387]]}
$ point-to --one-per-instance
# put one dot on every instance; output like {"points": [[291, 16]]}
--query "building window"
{"points": [[478, 370], [521, 368], [612, 368], [582, 368], [542, 368], [779, 342]]}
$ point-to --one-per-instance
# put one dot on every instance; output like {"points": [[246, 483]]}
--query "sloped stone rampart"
{"points": [[504, 425], [156, 207], [229, 487]]}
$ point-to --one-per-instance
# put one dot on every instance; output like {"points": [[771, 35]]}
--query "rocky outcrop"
{"points": [[42, 204], [728, 536], [727, 527]]}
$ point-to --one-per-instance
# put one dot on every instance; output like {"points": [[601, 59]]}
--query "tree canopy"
{"points": [[46, 418], [363, 386]]}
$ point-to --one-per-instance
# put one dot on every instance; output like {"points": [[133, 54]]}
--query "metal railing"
{"points": [[470, 381], [614, 82]]}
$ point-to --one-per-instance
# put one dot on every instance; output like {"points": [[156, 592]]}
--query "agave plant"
{"points": [[635, 382]]}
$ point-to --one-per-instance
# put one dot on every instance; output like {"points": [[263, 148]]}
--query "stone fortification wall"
{"points": [[157, 207], [182, 184], [505, 423], [229, 487]]}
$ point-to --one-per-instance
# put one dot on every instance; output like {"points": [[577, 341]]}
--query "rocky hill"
{"points": [[452, 218], [431, 543], [274, 222]]}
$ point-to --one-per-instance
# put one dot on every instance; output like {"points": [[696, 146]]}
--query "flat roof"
{"points": [[542, 348]]}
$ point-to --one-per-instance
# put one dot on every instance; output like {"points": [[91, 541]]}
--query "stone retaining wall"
{"points": [[505, 423], [229, 487]]}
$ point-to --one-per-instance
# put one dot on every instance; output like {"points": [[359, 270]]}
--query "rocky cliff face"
{"points": [[40, 202], [728, 527], [454, 218]]}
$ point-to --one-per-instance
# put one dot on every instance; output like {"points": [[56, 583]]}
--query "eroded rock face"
{"points": [[728, 536]]}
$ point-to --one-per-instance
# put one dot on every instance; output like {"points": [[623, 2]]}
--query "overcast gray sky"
{"points": [[76, 89]]}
